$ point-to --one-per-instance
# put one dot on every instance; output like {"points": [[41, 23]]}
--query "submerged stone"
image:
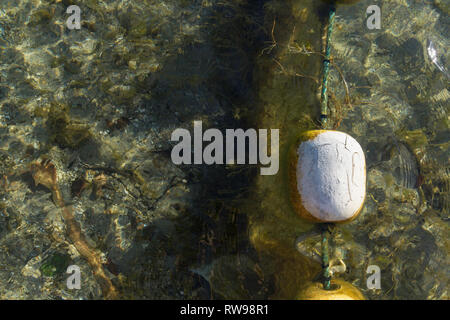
{"points": [[63, 131]]}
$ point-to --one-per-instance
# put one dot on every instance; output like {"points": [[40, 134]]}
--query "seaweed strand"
{"points": [[44, 173]]}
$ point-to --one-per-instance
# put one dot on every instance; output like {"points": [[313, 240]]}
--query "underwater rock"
{"points": [[328, 177], [404, 165], [238, 277], [409, 56], [444, 6], [63, 131], [40, 16]]}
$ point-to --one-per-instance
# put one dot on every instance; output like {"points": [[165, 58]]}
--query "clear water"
{"points": [[101, 103]]}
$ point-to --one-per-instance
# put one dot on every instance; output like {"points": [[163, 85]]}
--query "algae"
{"points": [[55, 265]]}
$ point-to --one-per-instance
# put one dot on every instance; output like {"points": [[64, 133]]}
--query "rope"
{"points": [[325, 258], [326, 69], [326, 227], [326, 234]]}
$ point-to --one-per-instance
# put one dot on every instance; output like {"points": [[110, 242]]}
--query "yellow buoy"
{"points": [[327, 176], [340, 290]]}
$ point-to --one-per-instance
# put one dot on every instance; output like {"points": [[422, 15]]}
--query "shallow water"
{"points": [[400, 126], [101, 103]]}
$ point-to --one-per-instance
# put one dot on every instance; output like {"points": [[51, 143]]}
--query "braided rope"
{"points": [[326, 69], [324, 122], [325, 259]]}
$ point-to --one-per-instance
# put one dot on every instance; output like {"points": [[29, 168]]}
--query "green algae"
{"points": [[55, 265]]}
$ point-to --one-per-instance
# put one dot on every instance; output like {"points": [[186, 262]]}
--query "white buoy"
{"points": [[327, 176]]}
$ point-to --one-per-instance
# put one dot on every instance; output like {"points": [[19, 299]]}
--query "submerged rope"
{"points": [[326, 234], [326, 69], [326, 228], [325, 258]]}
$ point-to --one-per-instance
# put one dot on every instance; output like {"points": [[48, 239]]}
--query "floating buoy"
{"points": [[340, 290], [327, 174]]}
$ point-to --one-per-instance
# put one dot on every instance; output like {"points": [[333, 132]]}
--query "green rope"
{"points": [[326, 233], [326, 69], [326, 228], [325, 259]]}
